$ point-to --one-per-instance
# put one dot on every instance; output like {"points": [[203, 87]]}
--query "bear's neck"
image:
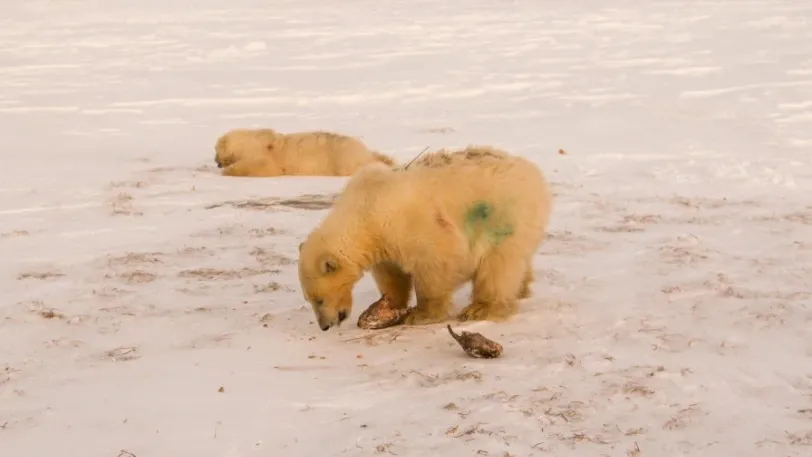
{"points": [[376, 250], [368, 246], [359, 246], [366, 253]]}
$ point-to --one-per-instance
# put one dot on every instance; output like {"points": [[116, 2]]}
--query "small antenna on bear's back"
{"points": [[416, 157]]}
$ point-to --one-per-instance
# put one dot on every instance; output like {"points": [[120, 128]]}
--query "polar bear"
{"points": [[266, 153], [476, 214]]}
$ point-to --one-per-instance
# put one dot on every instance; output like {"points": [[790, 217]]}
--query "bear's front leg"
{"points": [[252, 168], [525, 291], [498, 284], [393, 282], [429, 311], [433, 303]]}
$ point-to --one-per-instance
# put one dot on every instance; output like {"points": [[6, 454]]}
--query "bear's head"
{"points": [[327, 279], [239, 144]]}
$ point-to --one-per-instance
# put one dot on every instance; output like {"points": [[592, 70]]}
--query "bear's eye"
{"points": [[318, 301]]}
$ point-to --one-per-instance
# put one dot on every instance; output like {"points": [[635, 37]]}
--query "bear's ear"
{"points": [[329, 264]]}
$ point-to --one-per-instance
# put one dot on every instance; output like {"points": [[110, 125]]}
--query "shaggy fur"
{"points": [[266, 153], [477, 214]]}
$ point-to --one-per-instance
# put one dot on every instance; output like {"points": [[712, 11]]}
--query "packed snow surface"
{"points": [[150, 307]]}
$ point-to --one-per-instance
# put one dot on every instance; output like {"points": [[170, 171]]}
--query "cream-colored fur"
{"points": [[475, 214], [266, 153]]}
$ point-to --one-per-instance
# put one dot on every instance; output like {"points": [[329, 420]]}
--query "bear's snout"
{"points": [[326, 323]]}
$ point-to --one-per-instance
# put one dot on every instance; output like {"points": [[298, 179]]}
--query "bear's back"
{"points": [[455, 180]]}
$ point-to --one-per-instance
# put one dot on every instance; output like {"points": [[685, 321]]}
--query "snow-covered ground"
{"points": [[150, 307]]}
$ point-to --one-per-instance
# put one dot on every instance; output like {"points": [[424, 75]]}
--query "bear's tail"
{"points": [[383, 158]]}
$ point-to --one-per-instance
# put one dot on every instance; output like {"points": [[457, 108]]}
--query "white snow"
{"points": [[672, 313]]}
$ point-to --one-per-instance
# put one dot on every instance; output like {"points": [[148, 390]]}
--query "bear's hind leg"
{"points": [[501, 278], [393, 282]]}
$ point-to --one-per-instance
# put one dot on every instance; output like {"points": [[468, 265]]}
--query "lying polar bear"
{"points": [[266, 152]]}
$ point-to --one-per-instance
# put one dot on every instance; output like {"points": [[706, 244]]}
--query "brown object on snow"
{"points": [[476, 345], [381, 314]]}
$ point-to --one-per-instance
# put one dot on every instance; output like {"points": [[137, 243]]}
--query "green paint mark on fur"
{"points": [[499, 235], [478, 212], [483, 222]]}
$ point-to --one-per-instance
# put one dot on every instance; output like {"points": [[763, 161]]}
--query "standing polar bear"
{"points": [[476, 214], [267, 153]]}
